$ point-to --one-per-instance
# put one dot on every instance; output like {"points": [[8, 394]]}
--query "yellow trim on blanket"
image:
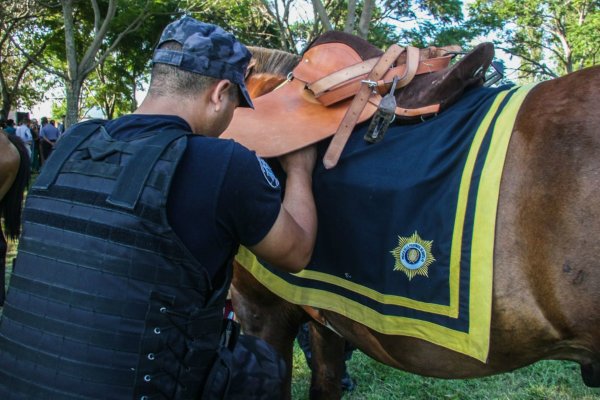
{"points": [[484, 225], [462, 202], [475, 343]]}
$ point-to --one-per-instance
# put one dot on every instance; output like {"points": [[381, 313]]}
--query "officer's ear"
{"points": [[219, 94]]}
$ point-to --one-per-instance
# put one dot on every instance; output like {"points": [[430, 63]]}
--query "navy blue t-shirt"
{"points": [[221, 195]]}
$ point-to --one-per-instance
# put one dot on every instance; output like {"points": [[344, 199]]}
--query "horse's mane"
{"points": [[272, 61]]}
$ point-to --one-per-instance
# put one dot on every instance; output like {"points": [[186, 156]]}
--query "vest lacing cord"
{"points": [[175, 353]]}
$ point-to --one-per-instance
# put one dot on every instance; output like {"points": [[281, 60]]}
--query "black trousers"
{"points": [[46, 149]]}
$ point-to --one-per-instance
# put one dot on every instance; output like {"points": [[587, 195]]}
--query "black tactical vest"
{"points": [[105, 301]]}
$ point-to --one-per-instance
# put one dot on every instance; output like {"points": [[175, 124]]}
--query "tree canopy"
{"points": [[551, 37], [98, 51]]}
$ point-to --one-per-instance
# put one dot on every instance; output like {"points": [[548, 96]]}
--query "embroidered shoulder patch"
{"points": [[413, 256], [268, 173]]}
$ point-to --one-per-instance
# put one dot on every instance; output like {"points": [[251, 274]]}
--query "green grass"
{"points": [[545, 380]]}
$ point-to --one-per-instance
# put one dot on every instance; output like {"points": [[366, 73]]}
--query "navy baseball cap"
{"points": [[206, 50]]}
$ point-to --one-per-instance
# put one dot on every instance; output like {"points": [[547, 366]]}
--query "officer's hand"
{"points": [[302, 160]]}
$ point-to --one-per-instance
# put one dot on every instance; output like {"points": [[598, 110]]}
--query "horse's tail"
{"points": [[12, 203]]}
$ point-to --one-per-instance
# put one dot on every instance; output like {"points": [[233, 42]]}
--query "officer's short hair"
{"points": [[193, 47], [167, 79]]}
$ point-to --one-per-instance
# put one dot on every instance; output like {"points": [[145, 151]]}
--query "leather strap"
{"points": [[357, 106], [415, 112], [353, 72], [412, 64], [409, 112], [346, 82]]}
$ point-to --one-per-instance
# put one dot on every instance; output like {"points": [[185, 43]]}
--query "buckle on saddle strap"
{"points": [[357, 105], [385, 115]]}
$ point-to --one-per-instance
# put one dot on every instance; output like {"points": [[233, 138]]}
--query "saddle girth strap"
{"points": [[360, 101]]}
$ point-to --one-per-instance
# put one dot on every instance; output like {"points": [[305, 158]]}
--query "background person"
{"points": [[61, 124], [48, 136], [10, 127], [36, 161], [24, 133], [129, 234]]}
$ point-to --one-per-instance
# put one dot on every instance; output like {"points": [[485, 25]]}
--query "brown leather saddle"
{"points": [[341, 81]]}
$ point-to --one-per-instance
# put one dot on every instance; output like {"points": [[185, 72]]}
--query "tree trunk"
{"points": [[349, 27], [5, 110], [4, 113], [133, 94], [365, 18], [322, 13], [5, 98], [73, 95]]}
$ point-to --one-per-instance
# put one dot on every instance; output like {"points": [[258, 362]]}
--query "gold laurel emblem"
{"points": [[413, 256]]}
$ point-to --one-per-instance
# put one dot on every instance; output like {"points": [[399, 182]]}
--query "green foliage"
{"points": [[248, 20], [431, 33], [57, 110], [428, 22], [108, 88], [18, 77], [552, 37]]}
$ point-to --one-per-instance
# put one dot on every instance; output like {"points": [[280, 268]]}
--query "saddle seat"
{"points": [[435, 85], [340, 70]]}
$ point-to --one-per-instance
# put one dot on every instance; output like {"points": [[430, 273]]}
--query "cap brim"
{"points": [[245, 100], [286, 120]]}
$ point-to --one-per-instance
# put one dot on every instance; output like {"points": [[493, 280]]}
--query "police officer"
{"points": [[129, 232]]}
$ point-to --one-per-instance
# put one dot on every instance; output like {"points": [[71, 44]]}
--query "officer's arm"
{"points": [[290, 242]]}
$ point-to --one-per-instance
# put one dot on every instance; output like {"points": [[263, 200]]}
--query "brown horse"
{"points": [[14, 178], [546, 277]]}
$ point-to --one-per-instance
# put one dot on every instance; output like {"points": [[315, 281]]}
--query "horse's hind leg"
{"points": [[327, 363]]}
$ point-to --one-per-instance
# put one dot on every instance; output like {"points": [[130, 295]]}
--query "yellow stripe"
{"points": [[476, 342], [484, 225], [461, 208], [389, 325]]}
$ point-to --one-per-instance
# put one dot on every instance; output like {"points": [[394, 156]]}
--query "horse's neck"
{"points": [[262, 83]]}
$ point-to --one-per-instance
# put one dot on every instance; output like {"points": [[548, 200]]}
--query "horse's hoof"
{"points": [[591, 374]]}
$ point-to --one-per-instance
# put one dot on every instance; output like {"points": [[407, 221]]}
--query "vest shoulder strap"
{"points": [[68, 144], [132, 179]]}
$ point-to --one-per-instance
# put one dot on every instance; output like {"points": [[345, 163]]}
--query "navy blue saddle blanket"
{"points": [[406, 226]]}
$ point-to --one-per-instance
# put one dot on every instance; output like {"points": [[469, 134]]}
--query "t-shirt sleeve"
{"points": [[251, 197]]}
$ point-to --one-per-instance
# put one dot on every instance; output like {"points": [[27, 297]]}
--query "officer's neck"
{"points": [[193, 111]]}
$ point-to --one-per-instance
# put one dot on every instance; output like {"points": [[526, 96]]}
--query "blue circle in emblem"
{"points": [[413, 255], [268, 173]]}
